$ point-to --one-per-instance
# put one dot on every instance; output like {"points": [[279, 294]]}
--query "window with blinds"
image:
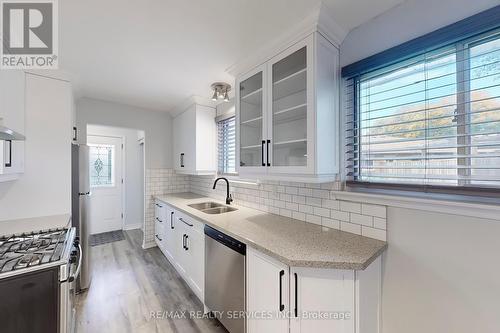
{"points": [[226, 145], [433, 120]]}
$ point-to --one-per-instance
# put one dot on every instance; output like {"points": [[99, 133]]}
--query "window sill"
{"points": [[488, 208]]}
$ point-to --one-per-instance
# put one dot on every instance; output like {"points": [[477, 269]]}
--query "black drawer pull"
{"points": [[158, 238], [267, 153], [282, 306], [157, 219], [262, 152], [296, 295], [171, 220], [187, 223]]}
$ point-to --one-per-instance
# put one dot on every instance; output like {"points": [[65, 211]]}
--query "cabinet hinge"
{"points": [[122, 180], [122, 145], [122, 215]]}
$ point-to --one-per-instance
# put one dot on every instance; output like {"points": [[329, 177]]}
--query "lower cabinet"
{"points": [[308, 300], [267, 294], [183, 243]]}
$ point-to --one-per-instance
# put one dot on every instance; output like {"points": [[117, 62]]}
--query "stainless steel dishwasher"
{"points": [[225, 279]]}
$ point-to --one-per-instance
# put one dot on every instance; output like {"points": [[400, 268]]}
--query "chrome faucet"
{"points": [[229, 198]]}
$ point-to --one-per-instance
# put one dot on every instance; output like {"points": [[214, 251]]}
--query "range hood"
{"points": [[8, 134]]}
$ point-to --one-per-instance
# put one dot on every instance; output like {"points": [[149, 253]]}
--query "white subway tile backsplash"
{"points": [[350, 227], [324, 212], [332, 204], [361, 219], [374, 210], [313, 219], [339, 215], [380, 223], [330, 223], [374, 233], [348, 206], [313, 203], [299, 216]]}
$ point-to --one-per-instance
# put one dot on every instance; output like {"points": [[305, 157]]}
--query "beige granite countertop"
{"points": [[293, 242], [9, 227]]}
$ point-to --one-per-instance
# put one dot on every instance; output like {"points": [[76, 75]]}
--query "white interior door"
{"points": [[105, 173]]}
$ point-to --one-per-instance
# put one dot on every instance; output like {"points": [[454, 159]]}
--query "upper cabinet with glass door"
{"points": [[295, 136], [250, 120]]}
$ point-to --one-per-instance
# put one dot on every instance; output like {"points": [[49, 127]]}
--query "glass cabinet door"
{"points": [[251, 121], [289, 110]]}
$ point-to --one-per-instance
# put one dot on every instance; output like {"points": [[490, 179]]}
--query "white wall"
{"points": [[156, 125], [409, 20], [440, 271], [45, 187], [133, 171]]}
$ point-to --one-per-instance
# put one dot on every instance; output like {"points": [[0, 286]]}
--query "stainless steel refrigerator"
{"points": [[80, 215]]}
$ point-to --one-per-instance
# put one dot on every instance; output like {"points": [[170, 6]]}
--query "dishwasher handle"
{"points": [[226, 240]]}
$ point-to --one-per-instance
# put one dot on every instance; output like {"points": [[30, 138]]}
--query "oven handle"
{"points": [[77, 272]]}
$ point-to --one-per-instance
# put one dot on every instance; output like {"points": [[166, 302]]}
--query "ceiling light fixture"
{"points": [[221, 90]]}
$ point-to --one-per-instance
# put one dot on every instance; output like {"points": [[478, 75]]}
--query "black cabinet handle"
{"points": [[158, 238], [159, 206], [282, 306], [262, 152], [184, 241], [171, 220], [9, 163], [296, 295], [187, 223], [157, 219], [187, 247], [182, 160], [267, 152]]}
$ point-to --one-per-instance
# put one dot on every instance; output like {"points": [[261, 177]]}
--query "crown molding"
{"points": [[194, 99], [319, 20]]}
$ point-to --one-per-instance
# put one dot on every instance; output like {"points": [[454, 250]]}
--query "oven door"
{"points": [[68, 293]]}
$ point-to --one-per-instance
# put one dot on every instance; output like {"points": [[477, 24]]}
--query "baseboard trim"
{"points": [[149, 245], [132, 226]]}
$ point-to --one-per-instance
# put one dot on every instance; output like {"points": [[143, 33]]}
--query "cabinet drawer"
{"points": [[188, 221]]}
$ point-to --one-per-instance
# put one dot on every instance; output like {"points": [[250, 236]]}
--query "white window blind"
{"points": [[226, 145], [433, 120]]}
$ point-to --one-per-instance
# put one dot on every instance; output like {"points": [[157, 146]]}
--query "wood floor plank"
{"points": [[129, 284]]}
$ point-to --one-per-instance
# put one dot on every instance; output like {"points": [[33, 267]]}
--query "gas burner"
{"points": [[32, 249], [28, 260]]}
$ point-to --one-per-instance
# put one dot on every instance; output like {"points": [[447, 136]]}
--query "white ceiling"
{"points": [[156, 53]]}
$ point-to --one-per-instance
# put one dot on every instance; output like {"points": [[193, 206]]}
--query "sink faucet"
{"points": [[229, 198]]}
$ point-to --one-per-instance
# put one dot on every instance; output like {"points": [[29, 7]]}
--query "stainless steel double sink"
{"points": [[212, 208]]}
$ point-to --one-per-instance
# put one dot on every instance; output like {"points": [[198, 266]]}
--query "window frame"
{"points": [[462, 52], [218, 120]]}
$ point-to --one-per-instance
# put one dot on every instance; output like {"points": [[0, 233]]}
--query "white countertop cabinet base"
{"points": [[314, 300], [183, 244]]}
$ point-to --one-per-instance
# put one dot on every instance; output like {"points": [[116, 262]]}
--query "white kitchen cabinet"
{"points": [[314, 300], [287, 114], [194, 141], [170, 245], [160, 213], [183, 243], [267, 293], [319, 297], [12, 115]]}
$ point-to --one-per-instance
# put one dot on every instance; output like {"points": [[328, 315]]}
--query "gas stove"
{"points": [[30, 250], [38, 272]]}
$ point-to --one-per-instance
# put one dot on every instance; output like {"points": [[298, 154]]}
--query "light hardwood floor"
{"points": [[129, 283]]}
